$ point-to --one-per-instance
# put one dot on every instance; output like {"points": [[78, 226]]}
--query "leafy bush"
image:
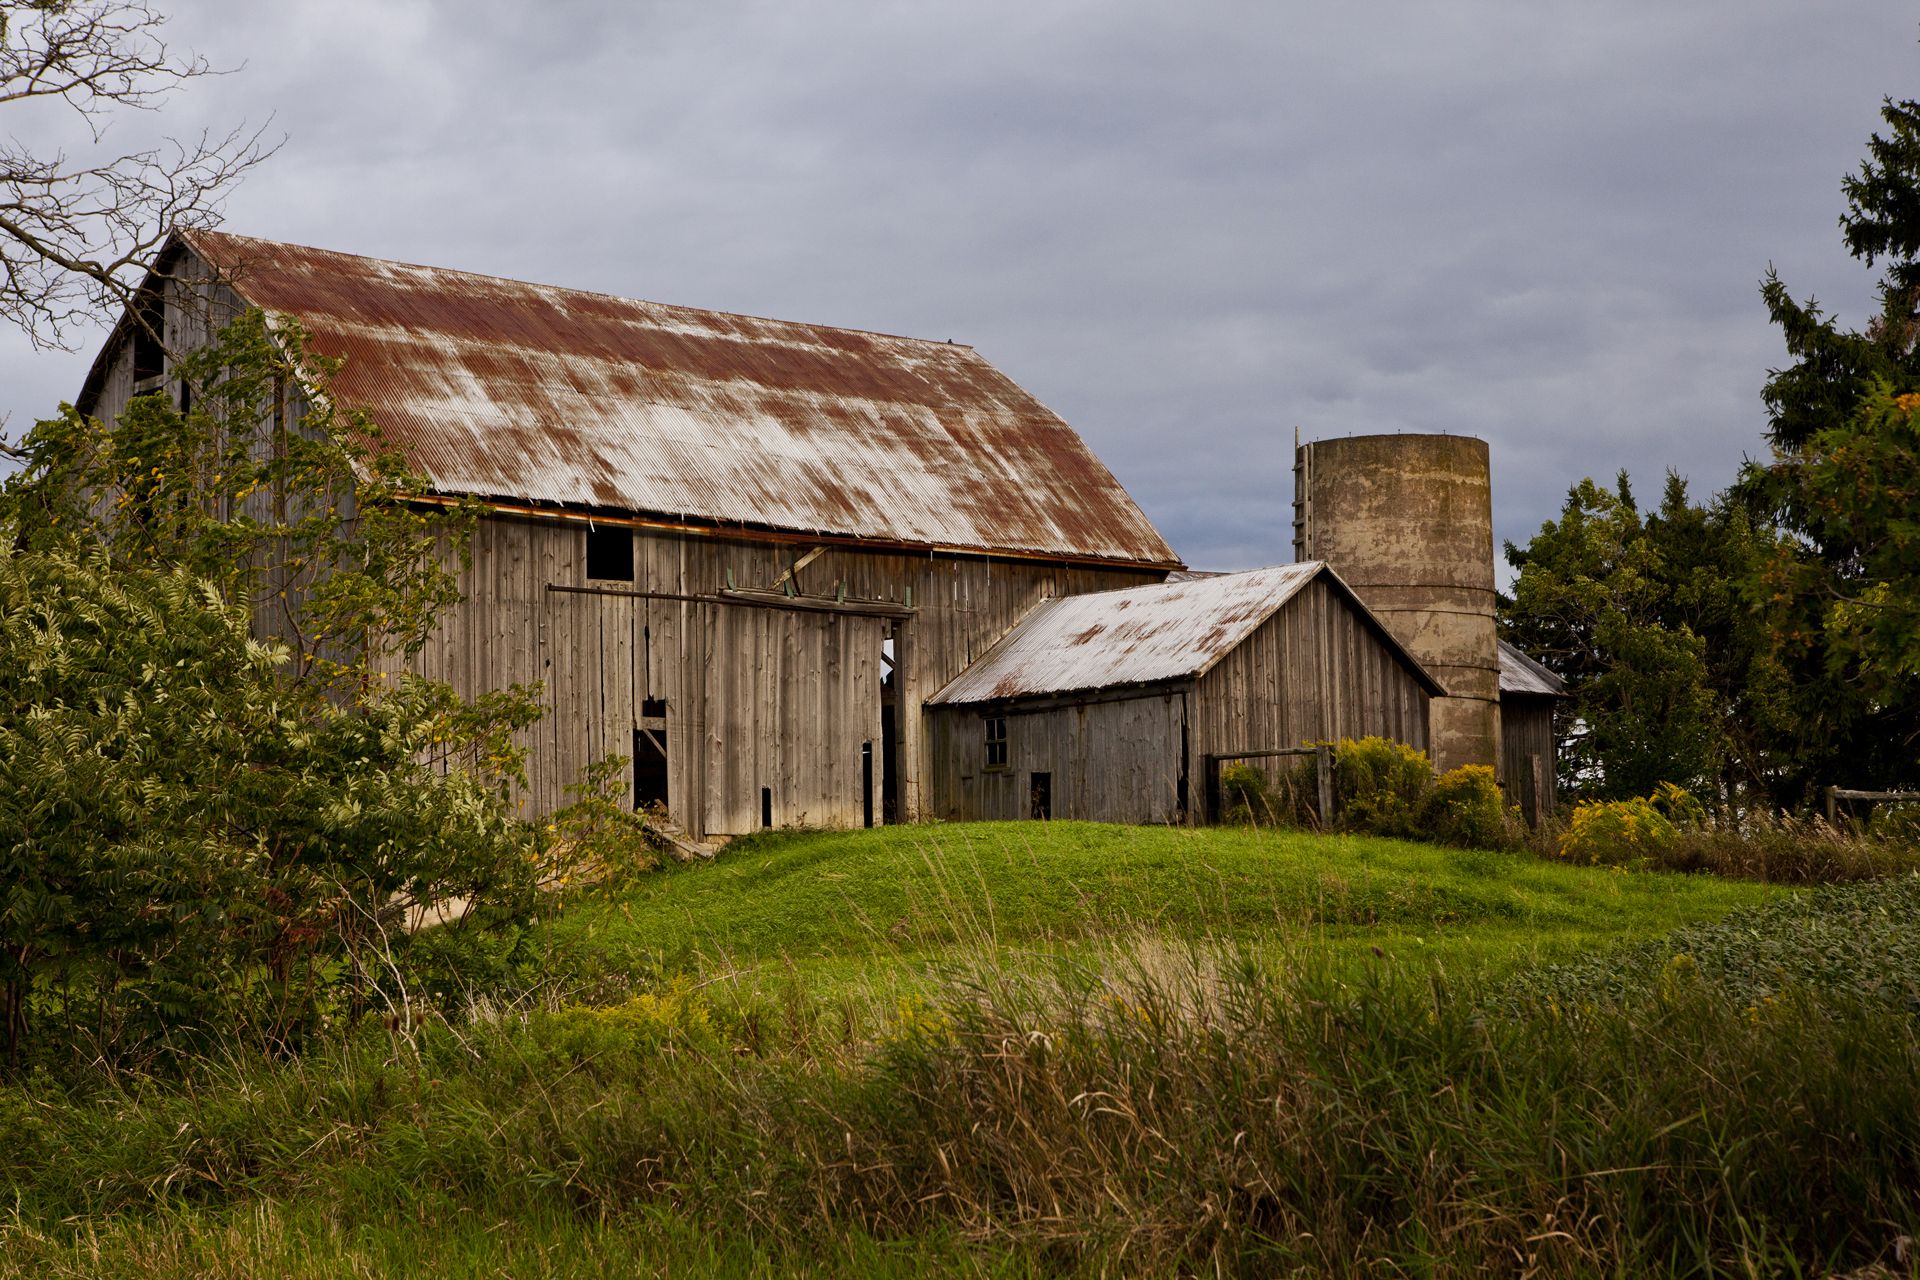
{"points": [[203, 834], [1246, 799], [1618, 833], [673, 1018], [1679, 807], [1463, 808], [1381, 785], [1387, 788], [188, 846]]}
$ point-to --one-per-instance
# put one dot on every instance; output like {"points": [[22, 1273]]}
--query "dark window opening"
{"points": [[1040, 793], [866, 781], [186, 398], [766, 807], [610, 554], [996, 742], [649, 768], [149, 352], [653, 708]]}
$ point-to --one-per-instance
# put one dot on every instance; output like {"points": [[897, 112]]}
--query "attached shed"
{"points": [[1104, 706], [1528, 692]]}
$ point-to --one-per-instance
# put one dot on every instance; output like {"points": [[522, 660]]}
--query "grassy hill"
{"points": [[842, 906], [861, 1053]]}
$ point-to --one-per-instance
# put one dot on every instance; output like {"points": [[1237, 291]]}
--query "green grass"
{"points": [[799, 1120], [845, 906], [266, 1240]]}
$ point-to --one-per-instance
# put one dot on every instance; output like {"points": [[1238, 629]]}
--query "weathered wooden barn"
{"points": [[1104, 706], [741, 551], [1528, 692]]}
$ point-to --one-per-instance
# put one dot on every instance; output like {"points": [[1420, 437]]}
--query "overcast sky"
{"points": [[1190, 228]]}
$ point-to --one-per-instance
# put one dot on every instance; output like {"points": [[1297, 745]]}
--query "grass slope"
{"points": [[844, 904]]}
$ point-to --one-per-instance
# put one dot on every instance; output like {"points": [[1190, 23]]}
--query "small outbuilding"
{"points": [[1105, 706], [1528, 692]]}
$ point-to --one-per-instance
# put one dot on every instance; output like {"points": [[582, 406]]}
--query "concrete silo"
{"points": [[1407, 521]]}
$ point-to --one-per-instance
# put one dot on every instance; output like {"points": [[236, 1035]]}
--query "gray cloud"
{"points": [[1190, 228]]}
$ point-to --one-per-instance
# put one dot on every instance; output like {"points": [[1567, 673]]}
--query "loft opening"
{"points": [[610, 553], [149, 347]]}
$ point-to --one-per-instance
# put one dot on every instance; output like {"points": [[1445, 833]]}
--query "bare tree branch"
{"points": [[77, 236]]}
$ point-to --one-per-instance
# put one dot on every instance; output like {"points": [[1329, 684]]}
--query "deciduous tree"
{"points": [[80, 231]]}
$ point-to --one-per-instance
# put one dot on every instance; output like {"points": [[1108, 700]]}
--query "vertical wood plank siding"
{"points": [[1312, 672], [1110, 761], [755, 697], [1526, 730]]}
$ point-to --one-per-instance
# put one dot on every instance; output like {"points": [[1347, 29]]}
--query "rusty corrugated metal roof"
{"points": [[499, 389], [1521, 674], [1141, 635]]}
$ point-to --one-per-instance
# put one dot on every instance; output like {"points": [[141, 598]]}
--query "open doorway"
{"points": [[650, 755], [889, 730], [1040, 796]]}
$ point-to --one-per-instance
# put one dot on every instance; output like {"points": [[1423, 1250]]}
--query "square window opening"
{"points": [[610, 554]]}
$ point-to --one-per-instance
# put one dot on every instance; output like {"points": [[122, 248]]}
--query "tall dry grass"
{"points": [[1774, 848], [1166, 1107]]}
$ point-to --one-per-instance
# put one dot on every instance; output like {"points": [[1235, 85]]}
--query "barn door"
{"points": [[793, 714]]}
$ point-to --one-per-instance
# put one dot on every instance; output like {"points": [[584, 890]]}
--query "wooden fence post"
{"points": [[1833, 808], [1323, 769], [1536, 783]]}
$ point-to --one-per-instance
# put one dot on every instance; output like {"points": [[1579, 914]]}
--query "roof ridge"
{"points": [[202, 234]]}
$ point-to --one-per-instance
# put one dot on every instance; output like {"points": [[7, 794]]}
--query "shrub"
{"points": [[1245, 797], [1679, 807], [672, 1018], [1463, 808], [1382, 785], [1618, 833], [203, 834]]}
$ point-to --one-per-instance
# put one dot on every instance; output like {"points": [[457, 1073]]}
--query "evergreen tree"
{"points": [[1837, 593]]}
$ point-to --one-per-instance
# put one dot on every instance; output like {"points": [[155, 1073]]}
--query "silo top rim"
{"points": [[1397, 435]]}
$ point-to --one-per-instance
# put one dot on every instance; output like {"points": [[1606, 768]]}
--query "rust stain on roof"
{"points": [[1141, 635], [500, 389], [1138, 635]]}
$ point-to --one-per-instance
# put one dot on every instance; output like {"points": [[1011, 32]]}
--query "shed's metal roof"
{"points": [[508, 390], [1521, 674], [1168, 631]]}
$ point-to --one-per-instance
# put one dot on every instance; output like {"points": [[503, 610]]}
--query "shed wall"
{"points": [[1526, 733], [1115, 761], [1312, 672]]}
